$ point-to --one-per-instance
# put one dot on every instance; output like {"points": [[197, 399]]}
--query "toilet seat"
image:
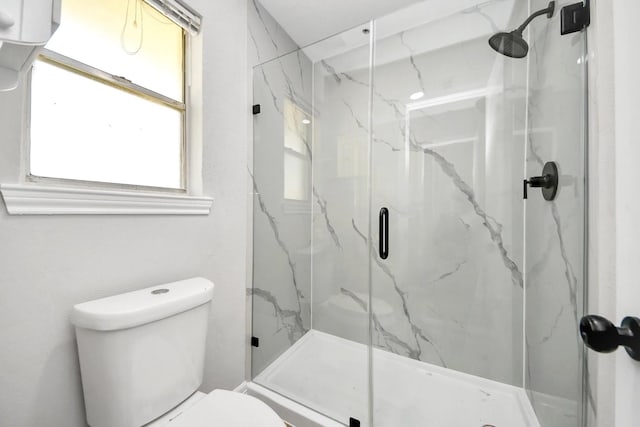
{"points": [[228, 409]]}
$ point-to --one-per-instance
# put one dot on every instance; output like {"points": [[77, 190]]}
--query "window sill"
{"points": [[24, 199]]}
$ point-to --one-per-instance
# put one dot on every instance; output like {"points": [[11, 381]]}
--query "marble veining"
{"points": [[478, 9], [259, 13], [294, 330], [274, 98], [572, 281], [412, 60], [414, 352], [552, 329], [268, 38], [491, 224], [276, 235], [390, 340], [443, 276], [322, 204]]}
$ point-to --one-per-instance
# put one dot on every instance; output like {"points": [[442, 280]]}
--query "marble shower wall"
{"points": [[555, 230], [281, 285], [267, 39], [449, 167]]}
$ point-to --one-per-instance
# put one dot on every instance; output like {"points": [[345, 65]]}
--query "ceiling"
{"points": [[307, 21]]}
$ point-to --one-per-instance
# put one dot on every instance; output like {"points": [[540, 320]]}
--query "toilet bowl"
{"points": [[142, 361]]}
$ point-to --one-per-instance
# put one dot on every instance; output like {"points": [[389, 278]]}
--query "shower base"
{"points": [[329, 375]]}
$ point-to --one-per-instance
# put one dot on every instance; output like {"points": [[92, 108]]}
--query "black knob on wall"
{"points": [[547, 182], [600, 335]]}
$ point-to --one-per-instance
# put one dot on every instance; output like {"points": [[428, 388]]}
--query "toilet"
{"points": [[142, 359]]}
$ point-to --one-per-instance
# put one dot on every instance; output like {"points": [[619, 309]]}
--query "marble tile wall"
{"points": [[267, 39], [555, 230]]}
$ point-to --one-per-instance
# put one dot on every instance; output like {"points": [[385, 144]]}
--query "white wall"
{"points": [[627, 204], [602, 208], [47, 264]]}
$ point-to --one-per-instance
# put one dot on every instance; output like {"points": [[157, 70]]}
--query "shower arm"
{"points": [[548, 11]]}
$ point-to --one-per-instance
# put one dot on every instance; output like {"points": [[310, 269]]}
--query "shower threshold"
{"points": [[329, 375]]}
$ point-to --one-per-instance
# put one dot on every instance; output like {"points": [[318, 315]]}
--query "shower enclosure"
{"points": [[400, 277]]}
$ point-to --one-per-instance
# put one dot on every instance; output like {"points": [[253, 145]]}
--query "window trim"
{"points": [[31, 199]]}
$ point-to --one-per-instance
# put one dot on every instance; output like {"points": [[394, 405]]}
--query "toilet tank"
{"points": [[142, 353]]}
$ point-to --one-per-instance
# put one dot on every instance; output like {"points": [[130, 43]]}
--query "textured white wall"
{"points": [[47, 264]]}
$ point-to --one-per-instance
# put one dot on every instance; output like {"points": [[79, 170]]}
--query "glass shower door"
{"points": [[475, 292], [311, 193], [447, 165]]}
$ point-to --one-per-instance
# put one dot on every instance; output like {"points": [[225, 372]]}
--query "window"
{"points": [[297, 153], [108, 95]]}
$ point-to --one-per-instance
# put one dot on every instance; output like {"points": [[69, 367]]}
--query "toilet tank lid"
{"points": [[143, 306]]}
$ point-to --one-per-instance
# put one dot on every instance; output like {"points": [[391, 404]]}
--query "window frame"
{"points": [[118, 83], [53, 196]]}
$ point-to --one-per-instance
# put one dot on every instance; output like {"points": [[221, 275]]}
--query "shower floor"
{"points": [[329, 374]]}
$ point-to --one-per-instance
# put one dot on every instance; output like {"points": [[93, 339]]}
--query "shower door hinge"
{"points": [[353, 422], [255, 342], [575, 17], [256, 109]]}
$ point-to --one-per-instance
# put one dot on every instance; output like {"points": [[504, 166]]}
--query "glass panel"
{"points": [[297, 128], [125, 38], [342, 74], [72, 138], [297, 152], [313, 340], [296, 177], [463, 297], [281, 233], [448, 154], [555, 239]]}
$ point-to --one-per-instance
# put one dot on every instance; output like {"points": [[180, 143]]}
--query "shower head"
{"points": [[512, 44]]}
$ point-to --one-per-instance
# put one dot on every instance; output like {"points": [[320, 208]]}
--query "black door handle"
{"points": [[383, 233], [600, 335]]}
